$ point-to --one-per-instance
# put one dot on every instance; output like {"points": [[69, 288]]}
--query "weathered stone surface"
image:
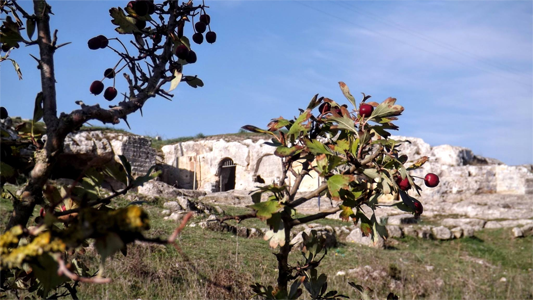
{"points": [[255, 233], [410, 231], [493, 224], [401, 219], [165, 212], [468, 231], [327, 233], [394, 231], [424, 232], [527, 230], [184, 202], [441, 233], [158, 189], [176, 216], [476, 223], [517, 232], [356, 236], [172, 206], [457, 232]]}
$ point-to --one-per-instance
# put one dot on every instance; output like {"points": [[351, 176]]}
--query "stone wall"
{"points": [[461, 171], [91, 144]]}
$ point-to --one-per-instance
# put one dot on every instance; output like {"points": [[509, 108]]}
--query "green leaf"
{"points": [[298, 127], [17, 68], [277, 124], [343, 123], [346, 213], [419, 163], [6, 171], [108, 245], [266, 209], [283, 151], [346, 92], [387, 108], [194, 81], [10, 34], [30, 27], [139, 181], [254, 129], [126, 24], [313, 103], [378, 229], [45, 269], [372, 173], [276, 234], [338, 182], [256, 197], [317, 147], [125, 164], [132, 13]]}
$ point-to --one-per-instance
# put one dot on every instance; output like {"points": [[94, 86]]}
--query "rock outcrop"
{"points": [[91, 144], [461, 172]]}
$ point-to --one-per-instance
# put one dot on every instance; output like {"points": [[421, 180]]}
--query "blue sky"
{"points": [[463, 70]]}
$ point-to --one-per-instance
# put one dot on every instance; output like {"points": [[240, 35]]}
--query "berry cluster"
{"points": [[98, 86]]}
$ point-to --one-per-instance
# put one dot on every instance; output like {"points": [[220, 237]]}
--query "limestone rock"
{"points": [[457, 232], [468, 231], [394, 231], [517, 232], [172, 206], [493, 224], [410, 231], [184, 203], [327, 233], [527, 230], [158, 189], [424, 232], [475, 223], [356, 236], [441, 233], [401, 219]]}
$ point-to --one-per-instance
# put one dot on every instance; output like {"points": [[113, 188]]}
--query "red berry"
{"points": [[182, 52], [141, 8], [42, 213], [191, 58], [403, 183], [109, 73], [431, 180], [205, 19], [110, 93], [63, 208], [366, 110], [96, 87], [198, 38], [210, 37], [94, 43], [200, 27], [419, 209]]}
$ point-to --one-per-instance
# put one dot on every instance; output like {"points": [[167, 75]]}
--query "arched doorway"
{"points": [[226, 175]]}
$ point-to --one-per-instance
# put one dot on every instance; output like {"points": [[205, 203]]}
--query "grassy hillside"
{"points": [[490, 266]]}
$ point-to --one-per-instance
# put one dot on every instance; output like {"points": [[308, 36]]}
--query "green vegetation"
{"points": [[221, 265]]}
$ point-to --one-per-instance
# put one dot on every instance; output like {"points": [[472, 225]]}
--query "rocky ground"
{"points": [[443, 219]]}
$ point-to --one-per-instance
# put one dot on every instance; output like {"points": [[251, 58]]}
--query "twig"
{"points": [[240, 218], [64, 271], [317, 216]]}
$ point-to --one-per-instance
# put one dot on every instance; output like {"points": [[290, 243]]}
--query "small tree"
{"points": [[352, 150], [37, 258]]}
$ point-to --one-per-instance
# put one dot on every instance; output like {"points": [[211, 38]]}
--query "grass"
{"points": [[222, 266]]}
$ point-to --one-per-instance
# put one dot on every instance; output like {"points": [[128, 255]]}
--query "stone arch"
{"points": [[226, 174]]}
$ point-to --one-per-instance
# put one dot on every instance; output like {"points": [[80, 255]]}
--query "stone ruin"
{"points": [[483, 192]]}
